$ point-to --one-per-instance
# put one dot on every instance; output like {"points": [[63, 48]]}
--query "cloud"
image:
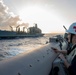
{"points": [[3, 8], [8, 18]]}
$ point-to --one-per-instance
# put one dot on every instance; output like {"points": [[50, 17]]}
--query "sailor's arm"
{"points": [[64, 60], [70, 67], [66, 63], [63, 51], [59, 51]]}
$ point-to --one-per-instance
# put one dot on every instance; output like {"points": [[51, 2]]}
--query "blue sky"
{"points": [[50, 15]]}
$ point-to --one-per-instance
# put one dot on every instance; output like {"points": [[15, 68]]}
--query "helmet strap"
{"points": [[71, 38]]}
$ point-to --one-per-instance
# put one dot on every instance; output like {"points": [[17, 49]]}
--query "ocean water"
{"points": [[12, 47]]}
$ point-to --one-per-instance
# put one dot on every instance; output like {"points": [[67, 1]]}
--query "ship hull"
{"points": [[33, 62]]}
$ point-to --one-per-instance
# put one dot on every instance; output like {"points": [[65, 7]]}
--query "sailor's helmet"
{"points": [[72, 28]]}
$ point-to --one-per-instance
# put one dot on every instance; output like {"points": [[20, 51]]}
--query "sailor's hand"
{"points": [[55, 49], [62, 57]]}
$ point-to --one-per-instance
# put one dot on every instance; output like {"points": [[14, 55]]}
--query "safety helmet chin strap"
{"points": [[71, 37]]}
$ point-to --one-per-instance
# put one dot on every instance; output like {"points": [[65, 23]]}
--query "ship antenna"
{"points": [[64, 27]]}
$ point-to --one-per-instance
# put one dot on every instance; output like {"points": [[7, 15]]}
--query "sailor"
{"points": [[71, 66]]}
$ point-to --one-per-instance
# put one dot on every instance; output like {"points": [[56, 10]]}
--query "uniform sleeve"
{"points": [[70, 70], [68, 52], [72, 67]]}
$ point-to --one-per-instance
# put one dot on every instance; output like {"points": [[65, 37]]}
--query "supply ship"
{"points": [[30, 32]]}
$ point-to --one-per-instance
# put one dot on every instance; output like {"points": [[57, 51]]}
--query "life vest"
{"points": [[72, 54]]}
